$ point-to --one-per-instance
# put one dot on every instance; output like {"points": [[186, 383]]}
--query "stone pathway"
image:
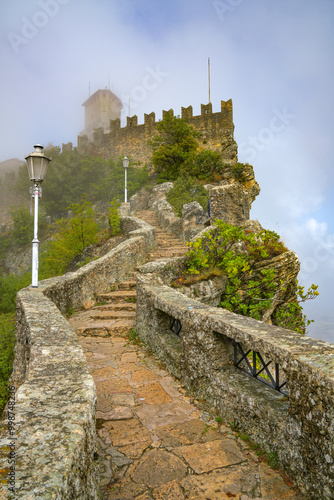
{"points": [[154, 442]]}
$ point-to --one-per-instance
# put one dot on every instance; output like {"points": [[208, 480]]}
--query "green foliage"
{"points": [[114, 218], [71, 175], [174, 147], [208, 165], [7, 341], [235, 252], [70, 238], [4, 245], [290, 315], [238, 171], [176, 152], [134, 338], [186, 190], [9, 286], [23, 225], [113, 185]]}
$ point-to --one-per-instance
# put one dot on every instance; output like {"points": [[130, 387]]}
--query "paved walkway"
{"points": [[155, 443]]}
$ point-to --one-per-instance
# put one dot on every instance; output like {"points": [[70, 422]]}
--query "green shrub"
{"points": [[9, 286], [186, 190], [234, 252], [238, 171], [208, 165], [114, 218]]}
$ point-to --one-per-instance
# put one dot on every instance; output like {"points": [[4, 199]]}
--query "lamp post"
{"points": [[37, 164], [125, 165]]}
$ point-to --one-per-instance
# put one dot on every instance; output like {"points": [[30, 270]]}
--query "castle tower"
{"points": [[100, 108]]}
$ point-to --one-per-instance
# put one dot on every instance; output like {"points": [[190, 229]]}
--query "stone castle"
{"points": [[104, 136]]}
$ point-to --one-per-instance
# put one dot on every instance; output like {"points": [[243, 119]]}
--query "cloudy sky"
{"points": [[273, 58]]}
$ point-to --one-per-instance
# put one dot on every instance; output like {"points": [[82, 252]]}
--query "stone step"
{"points": [[118, 295], [106, 328], [170, 241], [97, 315], [167, 253], [177, 244], [118, 306], [126, 285]]}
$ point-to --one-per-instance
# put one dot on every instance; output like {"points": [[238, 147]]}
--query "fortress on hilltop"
{"points": [[104, 136]]}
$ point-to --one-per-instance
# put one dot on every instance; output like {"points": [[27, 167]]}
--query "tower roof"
{"points": [[100, 91]]}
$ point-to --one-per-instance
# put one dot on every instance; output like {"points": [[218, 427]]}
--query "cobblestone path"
{"points": [[155, 443]]}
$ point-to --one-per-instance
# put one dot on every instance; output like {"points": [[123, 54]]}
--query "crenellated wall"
{"points": [[216, 130], [53, 445]]}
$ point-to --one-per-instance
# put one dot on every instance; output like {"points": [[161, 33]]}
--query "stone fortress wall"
{"points": [[216, 129]]}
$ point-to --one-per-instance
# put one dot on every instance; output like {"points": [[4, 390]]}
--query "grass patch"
{"points": [[131, 299], [270, 458], [186, 280], [133, 337]]}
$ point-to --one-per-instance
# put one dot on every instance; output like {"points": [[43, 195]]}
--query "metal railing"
{"points": [[255, 366], [175, 325]]}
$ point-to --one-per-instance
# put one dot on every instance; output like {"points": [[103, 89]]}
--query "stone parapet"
{"points": [[216, 130], [298, 426], [54, 411]]}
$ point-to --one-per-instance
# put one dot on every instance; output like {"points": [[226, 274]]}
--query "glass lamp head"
{"points": [[37, 164]]}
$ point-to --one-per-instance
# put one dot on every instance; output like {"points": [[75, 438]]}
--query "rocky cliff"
{"points": [[230, 201]]}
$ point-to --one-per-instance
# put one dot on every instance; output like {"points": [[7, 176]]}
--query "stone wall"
{"points": [[54, 442], [298, 427], [216, 129]]}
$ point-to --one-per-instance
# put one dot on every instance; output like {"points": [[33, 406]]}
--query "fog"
{"points": [[274, 59]]}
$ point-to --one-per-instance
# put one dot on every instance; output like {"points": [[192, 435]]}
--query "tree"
{"points": [[208, 165], [70, 238], [114, 218], [23, 225], [174, 147], [72, 175]]}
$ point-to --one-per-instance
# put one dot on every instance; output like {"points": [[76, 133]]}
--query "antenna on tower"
{"points": [[109, 81], [129, 107], [209, 79]]}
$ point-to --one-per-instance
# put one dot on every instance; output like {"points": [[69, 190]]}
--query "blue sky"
{"points": [[274, 59]]}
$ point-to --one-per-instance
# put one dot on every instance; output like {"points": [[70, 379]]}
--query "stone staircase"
{"points": [[167, 244], [113, 312], [155, 443]]}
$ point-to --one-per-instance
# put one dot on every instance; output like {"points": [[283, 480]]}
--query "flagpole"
{"points": [[209, 79]]}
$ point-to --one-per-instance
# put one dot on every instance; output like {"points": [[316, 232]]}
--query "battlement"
{"points": [[216, 133]]}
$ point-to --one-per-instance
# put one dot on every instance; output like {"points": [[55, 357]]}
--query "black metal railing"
{"points": [[255, 366], [175, 325]]}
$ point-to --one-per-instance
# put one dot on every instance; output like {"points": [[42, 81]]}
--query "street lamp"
{"points": [[37, 164], [125, 165]]}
